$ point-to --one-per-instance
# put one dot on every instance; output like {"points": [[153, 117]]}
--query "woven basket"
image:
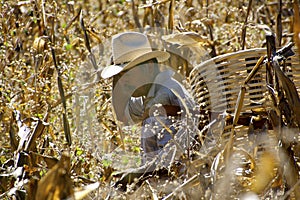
{"points": [[216, 83]]}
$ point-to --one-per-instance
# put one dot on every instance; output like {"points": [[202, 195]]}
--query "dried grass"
{"points": [[52, 101]]}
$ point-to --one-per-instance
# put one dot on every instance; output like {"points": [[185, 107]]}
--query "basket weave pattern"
{"points": [[216, 82]]}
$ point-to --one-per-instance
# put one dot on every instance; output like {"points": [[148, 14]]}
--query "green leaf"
{"points": [[68, 47], [106, 163], [79, 151]]}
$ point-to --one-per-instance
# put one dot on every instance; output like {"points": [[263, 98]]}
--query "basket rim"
{"points": [[228, 55]]}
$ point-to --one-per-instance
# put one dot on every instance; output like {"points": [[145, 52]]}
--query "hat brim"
{"points": [[112, 70]]}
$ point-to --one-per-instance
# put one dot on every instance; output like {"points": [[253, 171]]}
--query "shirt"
{"points": [[164, 91]]}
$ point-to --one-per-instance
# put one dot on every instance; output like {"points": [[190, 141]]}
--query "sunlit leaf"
{"points": [[56, 184], [81, 193], [186, 39], [266, 172]]}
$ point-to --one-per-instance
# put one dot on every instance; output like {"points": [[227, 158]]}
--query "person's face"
{"points": [[137, 80]]}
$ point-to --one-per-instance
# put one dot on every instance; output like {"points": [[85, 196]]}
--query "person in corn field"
{"points": [[145, 92]]}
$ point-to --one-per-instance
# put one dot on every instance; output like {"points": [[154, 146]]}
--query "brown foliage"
{"points": [[52, 101]]}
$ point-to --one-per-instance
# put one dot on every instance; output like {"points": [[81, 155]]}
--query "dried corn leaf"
{"points": [[88, 45], [57, 183], [196, 43], [171, 16], [63, 99], [187, 184], [279, 25], [81, 193], [50, 161], [237, 173], [67, 129], [186, 39], [39, 44], [23, 133], [153, 3], [266, 172], [289, 164], [37, 132], [297, 24], [13, 136], [290, 91]]}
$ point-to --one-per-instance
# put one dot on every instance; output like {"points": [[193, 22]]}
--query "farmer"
{"points": [[144, 92]]}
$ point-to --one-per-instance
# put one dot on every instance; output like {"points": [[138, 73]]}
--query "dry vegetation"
{"points": [[59, 139]]}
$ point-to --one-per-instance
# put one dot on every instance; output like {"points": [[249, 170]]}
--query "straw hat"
{"points": [[130, 49]]}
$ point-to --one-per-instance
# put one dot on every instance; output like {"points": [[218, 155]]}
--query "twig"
{"points": [[69, 25], [245, 25], [279, 25], [135, 16], [288, 193], [154, 196], [182, 186], [171, 16]]}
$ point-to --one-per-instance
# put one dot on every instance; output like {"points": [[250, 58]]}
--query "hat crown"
{"points": [[130, 49], [128, 46]]}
